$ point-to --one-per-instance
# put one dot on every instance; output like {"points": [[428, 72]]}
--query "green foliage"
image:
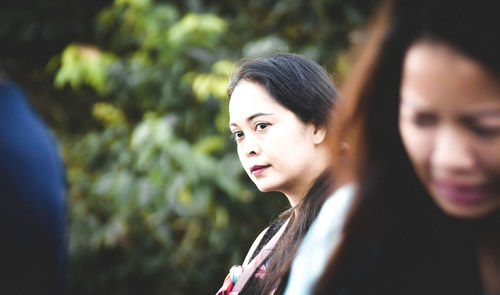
{"points": [[153, 208], [84, 65], [212, 84], [158, 201], [153, 202]]}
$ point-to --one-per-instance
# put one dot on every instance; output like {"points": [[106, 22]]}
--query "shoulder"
{"points": [[32, 203], [332, 215], [32, 182], [29, 153], [328, 225], [319, 242]]}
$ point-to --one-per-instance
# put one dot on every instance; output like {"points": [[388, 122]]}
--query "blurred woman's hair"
{"points": [[302, 86], [395, 239]]}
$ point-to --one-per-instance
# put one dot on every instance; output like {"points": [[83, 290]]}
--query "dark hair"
{"points": [[294, 81], [396, 240], [305, 88]]}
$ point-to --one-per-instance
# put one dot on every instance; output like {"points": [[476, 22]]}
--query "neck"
{"points": [[294, 201], [297, 196]]}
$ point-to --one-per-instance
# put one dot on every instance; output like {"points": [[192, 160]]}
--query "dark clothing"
{"points": [[271, 231], [32, 201]]}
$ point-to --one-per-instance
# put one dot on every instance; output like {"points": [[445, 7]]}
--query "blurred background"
{"points": [[135, 92]]}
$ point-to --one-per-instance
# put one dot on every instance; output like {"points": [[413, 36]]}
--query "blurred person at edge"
{"points": [[32, 200], [421, 118], [279, 108]]}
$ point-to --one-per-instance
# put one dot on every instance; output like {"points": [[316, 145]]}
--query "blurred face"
{"points": [[276, 149], [450, 125]]}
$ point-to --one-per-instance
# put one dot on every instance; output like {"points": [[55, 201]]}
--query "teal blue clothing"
{"points": [[319, 242], [32, 201]]}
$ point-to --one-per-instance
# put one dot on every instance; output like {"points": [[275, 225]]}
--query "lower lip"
{"points": [[463, 195], [259, 171]]}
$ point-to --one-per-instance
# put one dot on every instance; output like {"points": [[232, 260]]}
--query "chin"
{"points": [[265, 188], [466, 213], [466, 207]]}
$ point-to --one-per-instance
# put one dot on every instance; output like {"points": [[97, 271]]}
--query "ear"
{"points": [[319, 135]]}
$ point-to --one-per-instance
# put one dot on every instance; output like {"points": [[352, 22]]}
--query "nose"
{"points": [[452, 151], [250, 146]]}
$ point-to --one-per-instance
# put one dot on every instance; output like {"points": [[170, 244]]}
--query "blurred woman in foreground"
{"points": [[421, 117]]}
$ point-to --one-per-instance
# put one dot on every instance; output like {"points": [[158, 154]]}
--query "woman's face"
{"points": [[276, 149], [450, 126]]}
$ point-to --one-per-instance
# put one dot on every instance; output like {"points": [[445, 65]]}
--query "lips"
{"points": [[464, 194], [258, 169]]}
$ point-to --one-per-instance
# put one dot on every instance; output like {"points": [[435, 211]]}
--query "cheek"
{"points": [[292, 148], [239, 151], [490, 152], [417, 143], [489, 155]]}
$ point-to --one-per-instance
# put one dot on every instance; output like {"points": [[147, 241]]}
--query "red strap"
{"points": [[258, 260]]}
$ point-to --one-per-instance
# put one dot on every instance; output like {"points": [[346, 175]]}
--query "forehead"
{"points": [[249, 98], [438, 75]]}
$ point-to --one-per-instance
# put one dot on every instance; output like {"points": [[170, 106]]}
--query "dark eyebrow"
{"points": [[257, 115], [480, 115], [488, 113], [253, 117], [472, 119]]}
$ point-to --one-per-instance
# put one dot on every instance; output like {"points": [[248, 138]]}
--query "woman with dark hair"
{"points": [[421, 117], [279, 109]]}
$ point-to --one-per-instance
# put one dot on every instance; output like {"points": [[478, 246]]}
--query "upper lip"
{"points": [[257, 167]]}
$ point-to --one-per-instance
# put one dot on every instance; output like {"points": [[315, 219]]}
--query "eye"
{"points": [[485, 131], [487, 128], [237, 135], [425, 119], [261, 126]]}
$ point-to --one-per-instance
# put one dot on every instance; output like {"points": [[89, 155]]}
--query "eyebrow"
{"points": [[473, 115], [473, 118], [253, 117], [488, 113]]}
